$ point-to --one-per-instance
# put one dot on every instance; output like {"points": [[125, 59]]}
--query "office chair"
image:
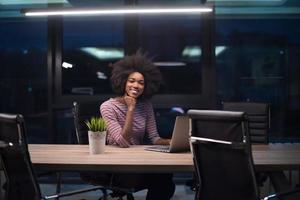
{"points": [[259, 125], [258, 116], [21, 181], [83, 111], [222, 156]]}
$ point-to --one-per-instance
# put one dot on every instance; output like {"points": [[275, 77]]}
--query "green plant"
{"points": [[96, 124]]}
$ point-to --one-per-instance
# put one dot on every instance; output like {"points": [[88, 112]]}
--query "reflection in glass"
{"points": [[90, 45], [175, 44], [23, 77], [260, 65]]}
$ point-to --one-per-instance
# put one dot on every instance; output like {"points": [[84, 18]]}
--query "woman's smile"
{"points": [[135, 85]]}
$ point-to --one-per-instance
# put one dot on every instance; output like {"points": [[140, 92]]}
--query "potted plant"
{"points": [[97, 134]]}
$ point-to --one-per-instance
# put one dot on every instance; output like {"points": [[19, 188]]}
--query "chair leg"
{"points": [[298, 185], [130, 197], [58, 184], [104, 194]]}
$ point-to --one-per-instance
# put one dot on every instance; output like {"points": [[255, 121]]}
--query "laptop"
{"points": [[180, 138]]}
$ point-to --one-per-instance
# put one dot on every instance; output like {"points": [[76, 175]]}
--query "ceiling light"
{"points": [[66, 65], [169, 64], [30, 2], [80, 12], [104, 53], [192, 51]]}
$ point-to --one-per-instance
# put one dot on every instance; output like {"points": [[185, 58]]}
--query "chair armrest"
{"points": [[3, 144], [235, 145]]}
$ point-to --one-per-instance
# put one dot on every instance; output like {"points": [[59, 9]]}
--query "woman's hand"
{"points": [[162, 141], [130, 102]]}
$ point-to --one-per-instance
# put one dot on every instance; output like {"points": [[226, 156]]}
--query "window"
{"points": [[175, 44], [89, 46], [23, 77], [260, 64]]}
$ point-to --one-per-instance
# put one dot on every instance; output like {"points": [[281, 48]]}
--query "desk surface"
{"points": [[136, 159]]}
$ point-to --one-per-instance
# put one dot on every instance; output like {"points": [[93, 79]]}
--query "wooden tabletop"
{"points": [[136, 159], [276, 156]]}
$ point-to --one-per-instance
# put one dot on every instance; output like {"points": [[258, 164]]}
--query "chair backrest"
{"points": [[83, 111], [21, 178], [259, 118], [222, 155]]}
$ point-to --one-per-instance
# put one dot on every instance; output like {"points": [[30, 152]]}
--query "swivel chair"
{"points": [[21, 181], [258, 117], [222, 156], [83, 111], [259, 126]]}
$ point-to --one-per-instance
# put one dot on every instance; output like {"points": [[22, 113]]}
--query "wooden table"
{"points": [[276, 156], [136, 159]]}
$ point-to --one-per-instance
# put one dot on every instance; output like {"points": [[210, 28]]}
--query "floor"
{"points": [[182, 192]]}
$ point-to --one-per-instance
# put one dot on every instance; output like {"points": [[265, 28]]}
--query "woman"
{"points": [[131, 119]]}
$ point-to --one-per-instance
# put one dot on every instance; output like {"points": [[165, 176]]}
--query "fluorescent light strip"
{"points": [[169, 64], [30, 2], [119, 11]]}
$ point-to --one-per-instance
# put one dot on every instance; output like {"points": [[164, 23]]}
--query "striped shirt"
{"points": [[144, 124]]}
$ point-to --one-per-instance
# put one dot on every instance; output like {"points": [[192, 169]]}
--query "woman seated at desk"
{"points": [[130, 119]]}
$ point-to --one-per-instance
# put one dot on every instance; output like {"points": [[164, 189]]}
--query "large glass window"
{"points": [[90, 44], [260, 64], [23, 77], [175, 44]]}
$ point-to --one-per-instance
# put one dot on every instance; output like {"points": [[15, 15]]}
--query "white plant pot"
{"points": [[97, 142]]}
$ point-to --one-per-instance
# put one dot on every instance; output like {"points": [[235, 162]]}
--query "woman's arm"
{"points": [[127, 129], [114, 128], [152, 129]]}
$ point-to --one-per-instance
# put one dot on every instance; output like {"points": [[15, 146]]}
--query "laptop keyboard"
{"points": [[159, 148]]}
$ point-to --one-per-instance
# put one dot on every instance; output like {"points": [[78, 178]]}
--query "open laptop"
{"points": [[179, 140]]}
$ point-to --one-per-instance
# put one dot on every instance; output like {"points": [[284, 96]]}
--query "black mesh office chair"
{"points": [[259, 125], [222, 156], [83, 111], [259, 119], [21, 181]]}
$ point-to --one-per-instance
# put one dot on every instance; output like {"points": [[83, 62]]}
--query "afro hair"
{"points": [[137, 62]]}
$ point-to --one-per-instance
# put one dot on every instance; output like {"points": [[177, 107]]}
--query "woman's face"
{"points": [[135, 85]]}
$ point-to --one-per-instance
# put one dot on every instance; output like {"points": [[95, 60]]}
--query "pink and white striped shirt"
{"points": [[144, 124]]}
